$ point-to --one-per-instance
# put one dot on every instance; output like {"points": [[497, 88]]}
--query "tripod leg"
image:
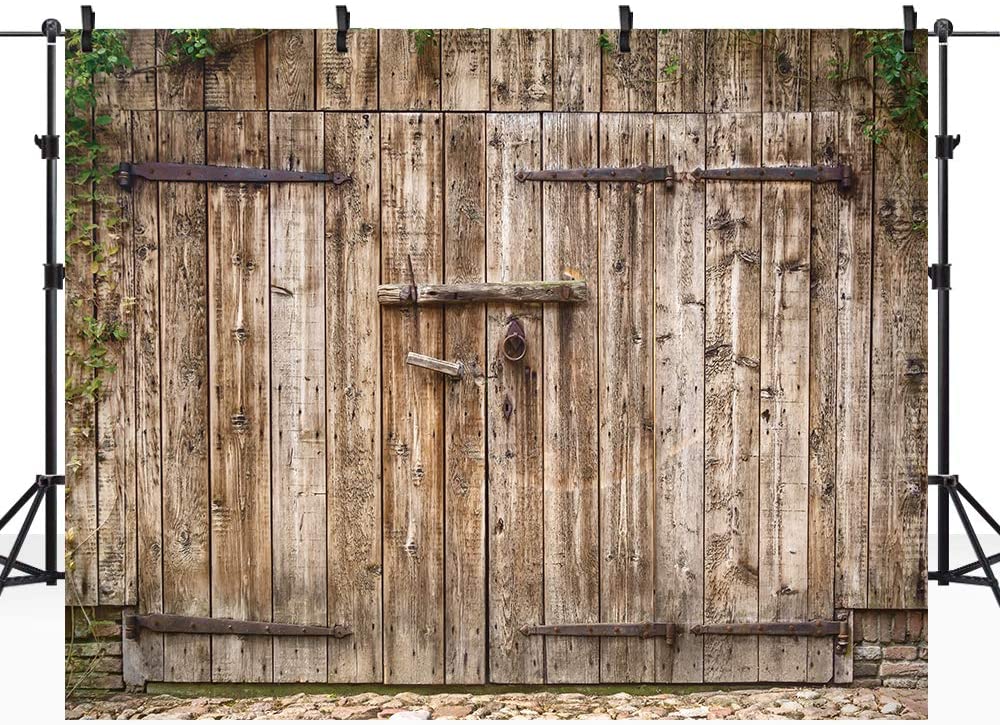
{"points": [[17, 507], [978, 507], [21, 536], [977, 547]]}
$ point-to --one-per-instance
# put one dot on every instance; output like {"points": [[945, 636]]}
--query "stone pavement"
{"points": [[778, 703]]}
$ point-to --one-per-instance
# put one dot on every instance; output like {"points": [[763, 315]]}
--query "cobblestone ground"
{"points": [[795, 704]]}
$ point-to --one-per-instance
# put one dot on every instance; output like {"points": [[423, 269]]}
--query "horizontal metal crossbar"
{"points": [[644, 630], [813, 174], [165, 171], [179, 623], [637, 174]]}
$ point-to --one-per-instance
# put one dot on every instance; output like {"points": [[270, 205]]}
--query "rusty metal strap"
{"points": [[840, 629], [177, 623], [644, 630], [635, 174], [166, 171], [814, 174]]}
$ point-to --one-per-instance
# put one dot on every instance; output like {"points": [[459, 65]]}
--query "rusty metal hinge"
{"points": [[183, 624], [166, 171], [815, 174], [643, 630], [841, 629], [636, 174]]}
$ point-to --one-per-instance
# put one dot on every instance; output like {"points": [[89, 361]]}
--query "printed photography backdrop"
{"points": [[704, 406]]}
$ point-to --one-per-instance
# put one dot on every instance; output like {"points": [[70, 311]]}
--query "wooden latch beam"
{"points": [[462, 293], [445, 367], [183, 624]]}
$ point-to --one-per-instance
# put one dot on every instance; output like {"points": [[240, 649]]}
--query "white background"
{"points": [[964, 620]]}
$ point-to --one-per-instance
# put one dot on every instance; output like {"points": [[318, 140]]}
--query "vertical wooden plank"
{"points": [[354, 500], [413, 438], [465, 70], [784, 396], [236, 77], [576, 70], [409, 76], [786, 66], [149, 508], [679, 389], [240, 407], [135, 90], [115, 429], [570, 248], [291, 64], [514, 404], [841, 74], [733, 70], [680, 58], [842, 81], [823, 265], [626, 398], [298, 399], [347, 81], [732, 398], [898, 516], [521, 70], [465, 402], [628, 80], [184, 379], [854, 315], [180, 86]]}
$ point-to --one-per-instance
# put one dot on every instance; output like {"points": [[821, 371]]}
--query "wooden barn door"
{"points": [[662, 452]]}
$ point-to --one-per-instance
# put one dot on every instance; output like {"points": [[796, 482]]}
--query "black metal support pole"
{"points": [[943, 319], [51, 318]]}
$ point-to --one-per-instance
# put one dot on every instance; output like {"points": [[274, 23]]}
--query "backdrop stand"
{"points": [[950, 491], [45, 485]]}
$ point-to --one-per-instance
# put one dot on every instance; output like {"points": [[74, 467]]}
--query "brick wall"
{"points": [[890, 648], [93, 649]]}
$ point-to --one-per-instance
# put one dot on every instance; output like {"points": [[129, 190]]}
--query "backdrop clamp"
{"points": [[343, 25]]}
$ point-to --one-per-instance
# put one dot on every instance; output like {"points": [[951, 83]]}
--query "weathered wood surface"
{"points": [[822, 447], [298, 395], [678, 385], [898, 516], [625, 400], [184, 382], [347, 81], [149, 493], [732, 396], [572, 567], [412, 416], [465, 70], [291, 60], [784, 396], [353, 398], [239, 406], [514, 403], [409, 71], [468, 292], [465, 402], [728, 424]]}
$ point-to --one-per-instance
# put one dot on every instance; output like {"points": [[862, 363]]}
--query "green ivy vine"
{"points": [[86, 168]]}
